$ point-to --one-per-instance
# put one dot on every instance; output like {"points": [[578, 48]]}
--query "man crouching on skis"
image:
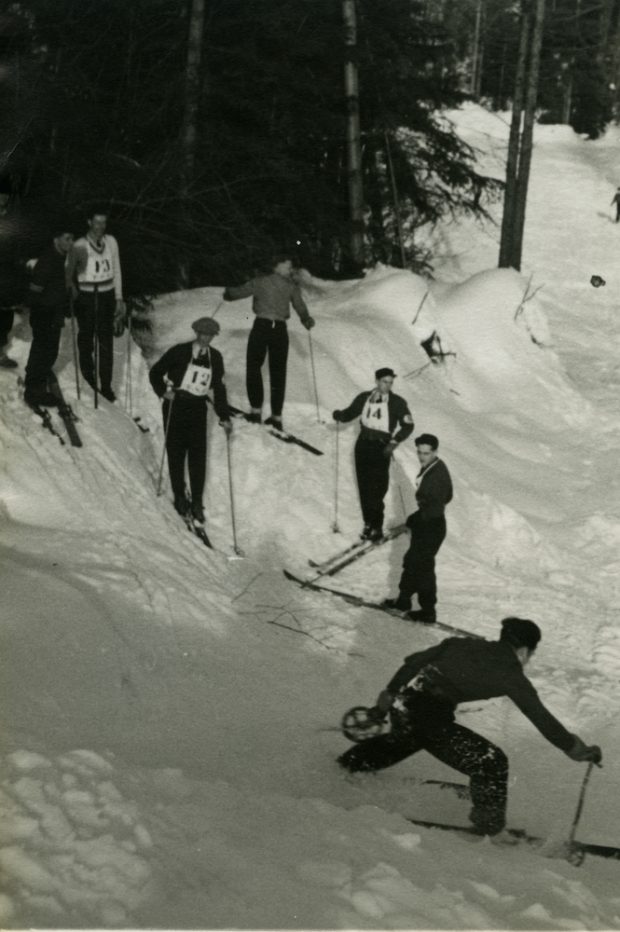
{"points": [[421, 699]]}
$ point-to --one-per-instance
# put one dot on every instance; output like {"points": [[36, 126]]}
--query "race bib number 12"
{"points": [[196, 381]]}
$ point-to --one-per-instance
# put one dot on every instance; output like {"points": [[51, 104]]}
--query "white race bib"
{"points": [[375, 416], [197, 380]]}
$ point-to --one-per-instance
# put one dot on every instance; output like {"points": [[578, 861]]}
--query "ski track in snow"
{"points": [[173, 712]]}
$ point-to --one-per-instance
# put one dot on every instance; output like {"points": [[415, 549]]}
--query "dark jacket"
{"points": [[13, 253], [399, 415], [271, 296], [47, 293], [434, 490], [173, 364], [469, 669]]}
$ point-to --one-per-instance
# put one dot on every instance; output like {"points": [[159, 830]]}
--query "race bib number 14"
{"points": [[375, 416]]}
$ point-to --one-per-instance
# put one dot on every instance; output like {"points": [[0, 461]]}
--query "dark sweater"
{"points": [[174, 363], [468, 669], [47, 293], [434, 490], [398, 415]]}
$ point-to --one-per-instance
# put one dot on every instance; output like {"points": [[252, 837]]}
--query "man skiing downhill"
{"points": [[382, 412], [421, 699], [271, 296], [428, 530], [183, 377]]}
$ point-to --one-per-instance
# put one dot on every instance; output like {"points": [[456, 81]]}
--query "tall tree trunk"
{"points": [[189, 129], [527, 137], [474, 79], [354, 149], [514, 143]]}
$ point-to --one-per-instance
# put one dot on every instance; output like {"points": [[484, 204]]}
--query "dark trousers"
{"points": [[95, 317], [44, 349], [186, 440], [464, 750], [418, 574], [372, 468], [6, 324], [267, 336]]}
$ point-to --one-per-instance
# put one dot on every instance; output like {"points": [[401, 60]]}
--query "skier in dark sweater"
{"points": [[428, 530], [183, 377], [382, 412], [48, 297], [271, 296], [421, 699]]}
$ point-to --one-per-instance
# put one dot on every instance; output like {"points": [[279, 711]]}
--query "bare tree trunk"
{"points": [[514, 143], [189, 130], [474, 80], [354, 149], [527, 137]]}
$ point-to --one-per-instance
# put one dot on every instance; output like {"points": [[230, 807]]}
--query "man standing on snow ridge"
{"points": [[421, 699], [183, 377], [49, 301], [428, 530], [381, 413], [100, 310], [271, 296]]}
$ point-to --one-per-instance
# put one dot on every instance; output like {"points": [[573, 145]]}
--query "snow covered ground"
{"points": [[170, 715]]}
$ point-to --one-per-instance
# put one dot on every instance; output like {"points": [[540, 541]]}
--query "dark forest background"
{"points": [[96, 101]]}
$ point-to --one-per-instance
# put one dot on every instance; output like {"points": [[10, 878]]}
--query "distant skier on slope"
{"points": [[428, 530], [183, 377], [48, 297], [381, 413], [271, 296], [421, 699], [616, 201]]}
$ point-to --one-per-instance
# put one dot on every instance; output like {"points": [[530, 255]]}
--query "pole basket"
{"points": [[357, 725]]}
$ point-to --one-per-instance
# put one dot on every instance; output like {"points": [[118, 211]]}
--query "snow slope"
{"points": [[171, 714]]}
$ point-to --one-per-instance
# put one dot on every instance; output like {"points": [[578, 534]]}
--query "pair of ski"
{"points": [[361, 602], [65, 411], [574, 851], [283, 435]]}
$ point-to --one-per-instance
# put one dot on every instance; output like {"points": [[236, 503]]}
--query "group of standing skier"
{"points": [[421, 698]]}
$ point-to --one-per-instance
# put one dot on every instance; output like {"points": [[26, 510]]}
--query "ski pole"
{"points": [[96, 367], [217, 308], [128, 385], [236, 547], [335, 527], [74, 345], [163, 452], [575, 856], [316, 393]]}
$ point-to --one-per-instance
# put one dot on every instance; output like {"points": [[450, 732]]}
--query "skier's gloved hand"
{"points": [[120, 321], [389, 449], [589, 753], [169, 393], [384, 702], [309, 323], [227, 425]]}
